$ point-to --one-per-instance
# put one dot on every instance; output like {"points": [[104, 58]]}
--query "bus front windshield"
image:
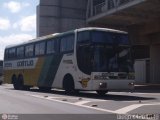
{"points": [[109, 58], [101, 51], [111, 52]]}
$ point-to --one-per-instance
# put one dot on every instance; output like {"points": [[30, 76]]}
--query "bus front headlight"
{"points": [[131, 85], [102, 85]]}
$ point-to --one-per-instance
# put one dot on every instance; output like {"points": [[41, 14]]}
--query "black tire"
{"points": [[101, 92], [26, 87], [1, 82], [68, 84], [14, 82], [18, 83], [45, 89]]}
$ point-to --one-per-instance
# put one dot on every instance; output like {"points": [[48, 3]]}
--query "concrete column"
{"points": [[155, 64], [48, 13], [60, 15]]}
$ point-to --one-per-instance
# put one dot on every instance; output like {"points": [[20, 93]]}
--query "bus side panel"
{"points": [[8, 75], [30, 72], [31, 76], [65, 67], [68, 65], [41, 73], [48, 71], [8, 72]]}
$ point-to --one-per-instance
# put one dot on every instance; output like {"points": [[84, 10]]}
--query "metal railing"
{"points": [[99, 8], [106, 6]]}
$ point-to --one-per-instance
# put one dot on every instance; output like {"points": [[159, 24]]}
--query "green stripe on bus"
{"points": [[49, 70]]}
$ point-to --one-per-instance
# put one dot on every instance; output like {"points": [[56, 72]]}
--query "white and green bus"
{"points": [[90, 59]]}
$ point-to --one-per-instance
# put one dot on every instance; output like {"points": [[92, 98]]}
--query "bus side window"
{"points": [[20, 52], [6, 54], [51, 47], [12, 53], [29, 49], [40, 48], [67, 43]]}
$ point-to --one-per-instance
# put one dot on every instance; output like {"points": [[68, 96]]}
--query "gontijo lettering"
{"points": [[25, 63]]}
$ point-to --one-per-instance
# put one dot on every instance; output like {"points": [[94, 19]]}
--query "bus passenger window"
{"points": [[29, 51], [67, 43], [51, 47], [40, 48], [20, 52], [6, 54], [12, 53]]}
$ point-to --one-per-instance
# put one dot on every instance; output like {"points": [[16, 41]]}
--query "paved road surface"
{"points": [[87, 105]]}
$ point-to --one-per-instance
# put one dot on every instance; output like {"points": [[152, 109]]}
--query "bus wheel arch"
{"points": [[68, 83]]}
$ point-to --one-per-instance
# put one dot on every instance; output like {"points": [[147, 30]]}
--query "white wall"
{"points": [[155, 63], [140, 71]]}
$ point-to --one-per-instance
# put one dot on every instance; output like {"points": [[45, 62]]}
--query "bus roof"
{"points": [[64, 33], [101, 29]]}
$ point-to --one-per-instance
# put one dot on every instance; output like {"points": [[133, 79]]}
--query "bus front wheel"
{"points": [[68, 84], [101, 92]]}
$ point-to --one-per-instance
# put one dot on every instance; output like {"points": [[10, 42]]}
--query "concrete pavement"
{"points": [[28, 104]]}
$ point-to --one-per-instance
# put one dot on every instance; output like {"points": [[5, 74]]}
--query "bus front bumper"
{"points": [[113, 84]]}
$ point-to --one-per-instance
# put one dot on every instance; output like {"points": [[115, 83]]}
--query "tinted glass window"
{"points": [[67, 43], [20, 52], [51, 46], [83, 36], [84, 58], [12, 53], [1, 63], [121, 38], [112, 58], [40, 48], [29, 50], [6, 54], [110, 38]]}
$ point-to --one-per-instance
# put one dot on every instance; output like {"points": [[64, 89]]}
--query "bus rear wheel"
{"points": [[45, 89], [18, 83], [101, 92], [14, 82], [26, 87]]}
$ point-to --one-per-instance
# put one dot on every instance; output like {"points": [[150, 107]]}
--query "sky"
{"points": [[17, 22]]}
